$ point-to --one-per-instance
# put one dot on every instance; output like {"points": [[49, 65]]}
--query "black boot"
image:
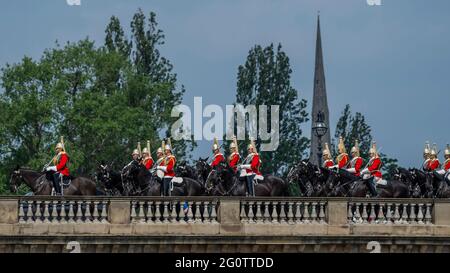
{"points": [[372, 188], [57, 183], [166, 186]]}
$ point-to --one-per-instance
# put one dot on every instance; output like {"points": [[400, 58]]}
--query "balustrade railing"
{"points": [[390, 212], [63, 211], [283, 211], [174, 211]]}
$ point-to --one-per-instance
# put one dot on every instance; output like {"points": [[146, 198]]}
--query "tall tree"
{"points": [[354, 127], [265, 79], [103, 100]]}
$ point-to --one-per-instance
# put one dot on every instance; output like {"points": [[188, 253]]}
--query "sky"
{"points": [[389, 62]]}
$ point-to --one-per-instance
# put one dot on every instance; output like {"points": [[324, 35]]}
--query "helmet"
{"points": [[355, 149], [427, 149], [145, 151], [161, 149], [215, 145], [59, 146], [252, 146], [135, 152], [447, 150], [433, 151], [373, 149], [168, 145], [326, 151], [341, 146]]}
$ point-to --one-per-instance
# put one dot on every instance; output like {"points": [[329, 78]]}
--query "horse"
{"points": [[441, 186], [110, 180], [226, 183], [150, 185], [303, 174], [203, 170], [423, 181], [40, 183], [184, 170]]}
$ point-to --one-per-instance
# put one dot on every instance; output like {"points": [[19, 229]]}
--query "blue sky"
{"points": [[390, 62]]}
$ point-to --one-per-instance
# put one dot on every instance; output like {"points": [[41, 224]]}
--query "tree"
{"points": [[264, 79], [103, 100], [354, 127]]}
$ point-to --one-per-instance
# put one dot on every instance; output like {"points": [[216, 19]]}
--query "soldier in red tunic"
{"points": [[444, 174], [251, 165], [356, 162], [234, 156], [218, 156], [147, 159], [326, 155], [168, 169], [426, 156], [433, 163], [60, 167], [372, 172], [342, 159]]}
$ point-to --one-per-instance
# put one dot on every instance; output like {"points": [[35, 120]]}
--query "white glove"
{"points": [[365, 171], [351, 170], [162, 168], [51, 168], [248, 166]]}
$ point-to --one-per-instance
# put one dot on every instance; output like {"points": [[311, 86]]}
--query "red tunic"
{"points": [[328, 164], [234, 159], [170, 166], [374, 167], [343, 161], [433, 164], [148, 163], [357, 164], [255, 164], [447, 165], [218, 158], [61, 164]]}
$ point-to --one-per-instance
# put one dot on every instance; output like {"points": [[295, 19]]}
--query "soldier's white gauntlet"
{"points": [[51, 168], [162, 168], [351, 170], [247, 166], [366, 170]]}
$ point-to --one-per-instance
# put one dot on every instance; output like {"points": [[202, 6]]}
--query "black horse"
{"points": [[40, 184], [422, 181], [203, 170], [224, 181], [304, 174], [110, 180]]}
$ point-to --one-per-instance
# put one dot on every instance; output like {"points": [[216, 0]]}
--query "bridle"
{"points": [[17, 176]]}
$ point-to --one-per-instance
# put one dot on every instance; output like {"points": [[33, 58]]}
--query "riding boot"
{"points": [[248, 185], [438, 176], [57, 183], [166, 182], [372, 187]]}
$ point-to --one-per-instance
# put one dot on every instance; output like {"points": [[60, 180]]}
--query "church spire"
{"points": [[320, 105]]}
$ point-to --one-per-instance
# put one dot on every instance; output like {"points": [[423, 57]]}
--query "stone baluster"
{"points": [[88, 215], [258, 217], [79, 214], [251, 215], [364, 214], [158, 212], [23, 217], [190, 215], [357, 214], [372, 213], [46, 212], [428, 214], [298, 213], [396, 214], [412, 214], [104, 212], [141, 217], [322, 212], [306, 212], [380, 215], [95, 214], [213, 216], [389, 213], [164, 212], [404, 217], [420, 214], [71, 213], [266, 216], [62, 212], [290, 215], [134, 214], [314, 212], [282, 212]]}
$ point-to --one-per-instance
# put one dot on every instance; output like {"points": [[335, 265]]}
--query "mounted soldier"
{"points": [[372, 172], [433, 163], [327, 159], [60, 167], [218, 156], [444, 174], [147, 159], [426, 156], [234, 157], [251, 165], [168, 169], [342, 159], [356, 162]]}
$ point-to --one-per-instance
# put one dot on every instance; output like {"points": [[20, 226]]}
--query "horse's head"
{"points": [[15, 180], [103, 174]]}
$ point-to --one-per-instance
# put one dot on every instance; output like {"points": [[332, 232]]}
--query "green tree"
{"points": [[103, 100], [265, 79], [354, 127]]}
